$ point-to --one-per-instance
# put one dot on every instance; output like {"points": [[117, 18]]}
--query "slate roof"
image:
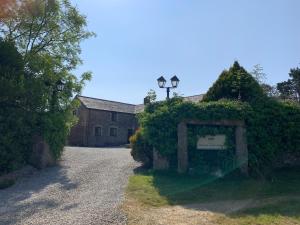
{"points": [[194, 98], [107, 105], [101, 104]]}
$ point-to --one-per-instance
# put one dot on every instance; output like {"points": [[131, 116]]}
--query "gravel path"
{"points": [[86, 188]]}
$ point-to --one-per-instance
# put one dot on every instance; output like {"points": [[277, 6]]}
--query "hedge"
{"points": [[273, 127]]}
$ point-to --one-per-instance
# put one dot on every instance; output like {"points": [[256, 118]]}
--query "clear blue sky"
{"points": [[139, 40]]}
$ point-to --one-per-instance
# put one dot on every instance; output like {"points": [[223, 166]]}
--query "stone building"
{"points": [[106, 123]]}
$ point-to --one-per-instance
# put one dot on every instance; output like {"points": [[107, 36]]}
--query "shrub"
{"points": [[273, 127], [235, 83], [25, 111], [14, 124], [141, 151], [159, 120]]}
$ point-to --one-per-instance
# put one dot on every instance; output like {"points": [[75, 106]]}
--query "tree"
{"points": [[47, 34], [258, 74], [51, 27], [290, 89], [235, 83], [286, 89], [269, 90], [295, 75], [151, 96], [13, 115]]}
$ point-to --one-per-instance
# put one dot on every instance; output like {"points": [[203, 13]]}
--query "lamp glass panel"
{"points": [[161, 84], [174, 83]]}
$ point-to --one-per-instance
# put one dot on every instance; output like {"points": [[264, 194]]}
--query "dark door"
{"points": [[129, 134]]}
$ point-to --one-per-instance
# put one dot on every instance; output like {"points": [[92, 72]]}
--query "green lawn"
{"points": [[162, 189], [157, 189]]}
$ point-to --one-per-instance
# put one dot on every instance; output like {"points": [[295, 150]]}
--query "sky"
{"points": [[140, 40]]}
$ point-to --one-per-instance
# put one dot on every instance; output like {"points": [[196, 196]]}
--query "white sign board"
{"points": [[209, 142]]}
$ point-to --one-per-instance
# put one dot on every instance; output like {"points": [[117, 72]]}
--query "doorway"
{"points": [[129, 134]]}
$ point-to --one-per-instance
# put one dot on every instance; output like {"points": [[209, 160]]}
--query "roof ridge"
{"points": [[106, 100], [193, 95]]}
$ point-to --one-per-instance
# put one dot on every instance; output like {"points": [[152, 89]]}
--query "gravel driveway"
{"points": [[86, 188]]}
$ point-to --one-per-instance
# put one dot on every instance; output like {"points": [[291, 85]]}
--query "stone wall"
{"points": [[78, 132], [240, 140], [83, 134]]}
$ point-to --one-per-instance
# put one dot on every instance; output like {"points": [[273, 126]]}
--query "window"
{"points": [[113, 132], [114, 116], [98, 131]]}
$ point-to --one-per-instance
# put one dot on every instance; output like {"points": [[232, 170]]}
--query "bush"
{"points": [[25, 112], [141, 151], [235, 83], [159, 120], [14, 124], [273, 131]]}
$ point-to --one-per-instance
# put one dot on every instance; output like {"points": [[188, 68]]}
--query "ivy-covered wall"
{"points": [[209, 161], [160, 120], [273, 127]]}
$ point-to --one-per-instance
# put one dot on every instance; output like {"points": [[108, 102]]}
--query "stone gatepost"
{"points": [[159, 162], [182, 153], [41, 156], [240, 139], [241, 149]]}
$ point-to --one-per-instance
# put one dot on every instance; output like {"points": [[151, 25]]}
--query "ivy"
{"points": [[209, 161], [273, 128]]}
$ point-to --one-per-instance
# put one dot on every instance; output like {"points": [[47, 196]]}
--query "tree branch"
{"points": [[40, 27], [29, 37]]}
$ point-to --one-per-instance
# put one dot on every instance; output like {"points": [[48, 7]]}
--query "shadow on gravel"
{"points": [[15, 202]]}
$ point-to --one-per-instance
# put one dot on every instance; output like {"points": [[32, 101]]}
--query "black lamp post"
{"points": [[58, 87], [162, 82]]}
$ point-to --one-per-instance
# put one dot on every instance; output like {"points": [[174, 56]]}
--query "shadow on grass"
{"points": [[231, 195]]}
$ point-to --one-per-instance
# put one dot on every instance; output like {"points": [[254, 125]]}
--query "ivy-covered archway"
{"points": [[240, 142]]}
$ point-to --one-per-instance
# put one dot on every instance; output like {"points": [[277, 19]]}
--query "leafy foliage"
{"points": [[209, 162], [236, 83], [290, 89], [42, 39], [273, 127], [159, 120], [141, 150], [14, 126]]}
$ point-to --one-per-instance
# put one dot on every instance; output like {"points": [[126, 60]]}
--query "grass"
{"points": [[280, 212], [278, 199], [158, 189]]}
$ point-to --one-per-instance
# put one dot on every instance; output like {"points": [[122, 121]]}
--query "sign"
{"points": [[209, 142]]}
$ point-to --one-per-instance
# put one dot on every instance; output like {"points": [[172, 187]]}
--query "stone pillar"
{"points": [[41, 156], [241, 149], [159, 162], [182, 152]]}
